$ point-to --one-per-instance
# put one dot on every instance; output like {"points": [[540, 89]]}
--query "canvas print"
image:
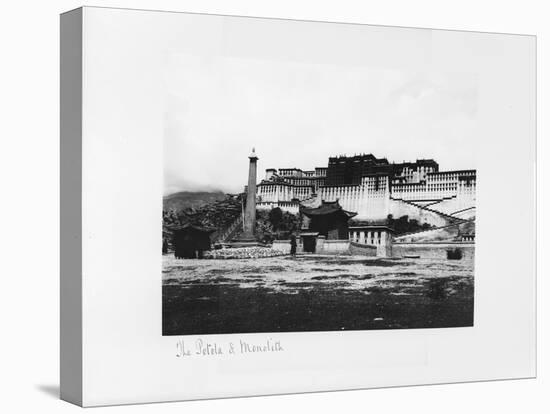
{"points": [[304, 196]]}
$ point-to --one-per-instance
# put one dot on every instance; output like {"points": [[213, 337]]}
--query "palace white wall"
{"points": [[288, 206], [370, 199], [373, 199], [273, 192]]}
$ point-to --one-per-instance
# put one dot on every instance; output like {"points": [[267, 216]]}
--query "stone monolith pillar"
{"points": [[250, 209]]}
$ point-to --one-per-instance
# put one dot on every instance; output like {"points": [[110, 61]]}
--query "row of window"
{"points": [[369, 237]]}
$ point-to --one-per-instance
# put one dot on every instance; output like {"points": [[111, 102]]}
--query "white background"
{"points": [[29, 163]]}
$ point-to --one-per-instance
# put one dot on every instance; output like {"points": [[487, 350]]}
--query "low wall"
{"points": [[433, 250], [282, 245], [361, 249], [322, 247], [334, 247]]}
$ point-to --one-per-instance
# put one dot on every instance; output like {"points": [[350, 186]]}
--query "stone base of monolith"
{"points": [[244, 241], [234, 244]]}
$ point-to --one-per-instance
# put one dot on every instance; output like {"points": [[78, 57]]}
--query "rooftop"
{"points": [[326, 207]]}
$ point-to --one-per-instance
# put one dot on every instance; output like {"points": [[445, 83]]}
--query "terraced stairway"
{"points": [[230, 231], [448, 217]]}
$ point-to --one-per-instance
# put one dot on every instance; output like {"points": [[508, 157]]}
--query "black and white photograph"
{"points": [[316, 197]]}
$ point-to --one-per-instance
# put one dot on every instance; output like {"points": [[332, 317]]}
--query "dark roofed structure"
{"points": [[329, 220], [191, 240]]}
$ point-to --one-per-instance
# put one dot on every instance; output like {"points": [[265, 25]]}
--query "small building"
{"points": [[329, 220], [190, 241], [309, 241], [377, 235]]}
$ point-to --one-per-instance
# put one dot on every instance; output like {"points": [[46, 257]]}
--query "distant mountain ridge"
{"points": [[191, 199]]}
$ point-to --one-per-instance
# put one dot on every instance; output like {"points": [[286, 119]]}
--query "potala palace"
{"points": [[374, 188], [356, 205]]}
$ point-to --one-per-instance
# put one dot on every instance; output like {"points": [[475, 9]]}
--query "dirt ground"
{"points": [[314, 293]]}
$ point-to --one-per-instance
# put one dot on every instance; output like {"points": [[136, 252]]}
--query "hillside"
{"points": [[449, 233], [218, 215], [189, 199]]}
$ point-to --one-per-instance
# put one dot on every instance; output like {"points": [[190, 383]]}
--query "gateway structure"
{"points": [[374, 188]]}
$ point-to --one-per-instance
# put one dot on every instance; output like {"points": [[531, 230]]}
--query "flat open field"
{"points": [[314, 293]]}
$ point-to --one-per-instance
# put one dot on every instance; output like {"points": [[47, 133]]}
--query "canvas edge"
{"points": [[71, 386]]}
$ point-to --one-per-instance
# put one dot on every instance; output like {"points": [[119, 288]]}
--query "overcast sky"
{"points": [[297, 114]]}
